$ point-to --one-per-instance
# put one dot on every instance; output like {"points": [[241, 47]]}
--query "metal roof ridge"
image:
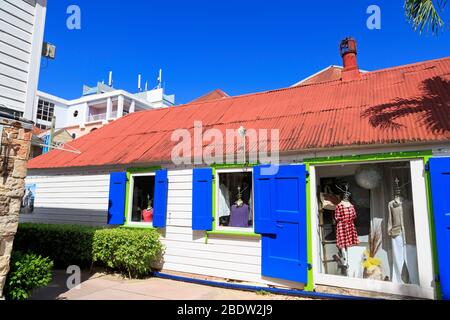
{"points": [[364, 77]]}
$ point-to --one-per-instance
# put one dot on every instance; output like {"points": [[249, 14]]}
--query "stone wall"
{"points": [[15, 149]]}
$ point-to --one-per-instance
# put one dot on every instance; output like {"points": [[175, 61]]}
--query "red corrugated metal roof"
{"points": [[328, 74], [397, 105], [215, 94]]}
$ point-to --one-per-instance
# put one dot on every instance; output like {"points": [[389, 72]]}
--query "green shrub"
{"points": [[28, 272], [65, 244], [131, 251]]}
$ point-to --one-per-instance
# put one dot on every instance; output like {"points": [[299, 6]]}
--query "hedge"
{"points": [[131, 251], [28, 272], [65, 244]]}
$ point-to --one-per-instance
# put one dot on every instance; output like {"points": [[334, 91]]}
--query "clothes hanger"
{"points": [[347, 193]]}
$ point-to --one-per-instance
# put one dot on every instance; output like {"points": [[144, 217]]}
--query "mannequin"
{"points": [[147, 213], [346, 235], [401, 230], [239, 212]]}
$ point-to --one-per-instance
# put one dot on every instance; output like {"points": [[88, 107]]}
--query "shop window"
{"points": [[141, 199], [234, 200], [366, 222]]}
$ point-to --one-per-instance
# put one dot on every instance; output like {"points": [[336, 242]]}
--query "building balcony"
{"points": [[102, 116]]}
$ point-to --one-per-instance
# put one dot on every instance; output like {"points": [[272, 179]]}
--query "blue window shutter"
{"points": [[440, 186], [160, 202], [202, 215], [280, 216], [264, 224], [117, 190]]}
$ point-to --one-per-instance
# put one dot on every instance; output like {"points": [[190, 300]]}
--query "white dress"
{"points": [[223, 208]]}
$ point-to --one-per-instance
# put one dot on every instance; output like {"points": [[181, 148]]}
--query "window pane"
{"points": [[142, 199], [370, 235], [235, 200]]}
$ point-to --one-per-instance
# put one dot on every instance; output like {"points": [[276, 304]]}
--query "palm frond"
{"points": [[423, 14]]}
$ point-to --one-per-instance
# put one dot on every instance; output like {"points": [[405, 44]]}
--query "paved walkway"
{"points": [[110, 287]]}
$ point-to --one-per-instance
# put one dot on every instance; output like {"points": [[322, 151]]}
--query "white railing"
{"points": [[102, 116], [113, 115], [96, 117]]}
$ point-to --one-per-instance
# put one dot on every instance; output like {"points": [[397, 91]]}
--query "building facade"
{"points": [[97, 107], [357, 201]]}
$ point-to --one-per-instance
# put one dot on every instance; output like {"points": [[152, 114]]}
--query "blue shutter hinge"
{"points": [[309, 266], [427, 166]]}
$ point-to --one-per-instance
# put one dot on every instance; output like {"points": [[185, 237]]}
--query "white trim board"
{"points": [[216, 192], [128, 221]]}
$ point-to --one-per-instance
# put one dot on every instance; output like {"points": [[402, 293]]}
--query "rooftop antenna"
{"points": [[160, 79], [110, 82], [139, 82]]}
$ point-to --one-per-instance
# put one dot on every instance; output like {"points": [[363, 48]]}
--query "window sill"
{"points": [[138, 226], [234, 233]]}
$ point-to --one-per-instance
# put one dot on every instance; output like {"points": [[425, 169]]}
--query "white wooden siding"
{"points": [[83, 199], [230, 257], [70, 199], [21, 35]]}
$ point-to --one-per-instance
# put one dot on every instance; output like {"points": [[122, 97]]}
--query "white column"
{"points": [[108, 108], [133, 106], [120, 107]]}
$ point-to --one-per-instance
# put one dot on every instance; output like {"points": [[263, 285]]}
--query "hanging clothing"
{"points": [[346, 235], [239, 216], [224, 201], [401, 221], [403, 254], [147, 215]]}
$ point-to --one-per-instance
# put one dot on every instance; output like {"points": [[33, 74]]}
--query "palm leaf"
{"points": [[423, 14]]}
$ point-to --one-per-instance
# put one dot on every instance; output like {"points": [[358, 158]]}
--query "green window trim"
{"points": [[370, 157], [230, 233], [432, 227], [424, 155], [131, 171], [130, 226], [234, 233]]}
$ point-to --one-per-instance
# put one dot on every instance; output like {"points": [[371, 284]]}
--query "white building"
{"points": [[95, 108], [21, 37]]}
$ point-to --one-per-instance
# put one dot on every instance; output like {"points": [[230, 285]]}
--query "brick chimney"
{"points": [[348, 54]]}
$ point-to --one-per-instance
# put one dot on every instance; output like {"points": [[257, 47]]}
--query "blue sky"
{"points": [[240, 46]]}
